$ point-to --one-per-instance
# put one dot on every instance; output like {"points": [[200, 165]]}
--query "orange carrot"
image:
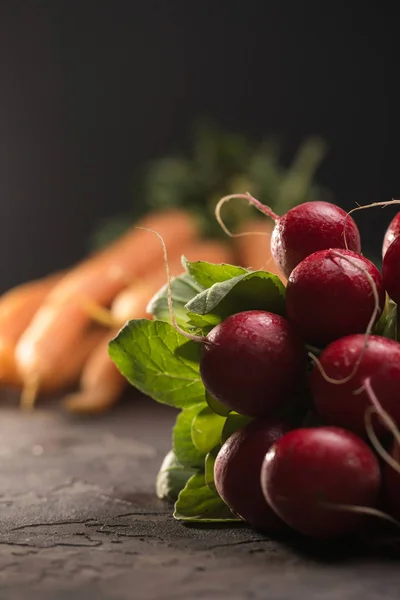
{"points": [[253, 251], [17, 308], [67, 374], [131, 303], [52, 336], [101, 383]]}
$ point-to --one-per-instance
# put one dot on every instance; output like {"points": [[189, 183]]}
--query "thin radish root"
{"points": [[267, 263], [362, 510], [376, 442], [368, 331], [386, 420], [189, 336], [382, 204], [254, 202], [385, 417]]}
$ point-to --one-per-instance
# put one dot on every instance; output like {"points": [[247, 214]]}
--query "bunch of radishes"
{"points": [[320, 480]]}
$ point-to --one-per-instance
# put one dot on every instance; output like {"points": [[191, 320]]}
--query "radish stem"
{"points": [[266, 210], [189, 336]]}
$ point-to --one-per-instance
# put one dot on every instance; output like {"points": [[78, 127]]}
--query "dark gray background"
{"points": [[90, 90]]}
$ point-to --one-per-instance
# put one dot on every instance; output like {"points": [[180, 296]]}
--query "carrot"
{"points": [[101, 383], [60, 323], [68, 371], [132, 302], [253, 251], [17, 308]]}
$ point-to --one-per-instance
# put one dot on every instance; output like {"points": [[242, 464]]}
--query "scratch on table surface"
{"points": [[239, 543], [55, 524], [93, 544]]}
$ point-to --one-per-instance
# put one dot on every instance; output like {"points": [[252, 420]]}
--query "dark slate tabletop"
{"points": [[79, 519]]}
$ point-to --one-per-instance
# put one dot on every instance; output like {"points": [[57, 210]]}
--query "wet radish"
{"points": [[391, 484], [317, 479], [392, 232], [303, 230], [237, 473], [309, 227], [391, 270], [253, 362], [344, 404], [330, 294]]}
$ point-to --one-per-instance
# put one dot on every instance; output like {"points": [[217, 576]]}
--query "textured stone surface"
{"points": [[79, 518]]}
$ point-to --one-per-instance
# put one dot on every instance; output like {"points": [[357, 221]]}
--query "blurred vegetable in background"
{"points": [[219, 164], [179, 195]]}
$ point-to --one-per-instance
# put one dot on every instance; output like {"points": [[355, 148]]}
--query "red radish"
{"points": [[318, 479], [253, 362], [330, 294], [237, 473], [392, 232], [344, 404], [309, 227], [303, 230], [391, 484], [391, 270]]}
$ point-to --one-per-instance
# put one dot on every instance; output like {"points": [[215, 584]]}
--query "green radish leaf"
{"points": [[206, 274], [185, 450], [217, 406], [159, 361], [256, 290], [172, 478], [183, 288], [203, 322], [207, 428], [198, 503], [168, 181], [388, 325], [233, 423], [380, 325]]}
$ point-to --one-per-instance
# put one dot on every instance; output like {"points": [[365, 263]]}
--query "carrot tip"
{"points": [[29, 394], [88, 403]]}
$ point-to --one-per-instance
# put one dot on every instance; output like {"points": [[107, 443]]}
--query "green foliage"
{"points": [[221, 163]]}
